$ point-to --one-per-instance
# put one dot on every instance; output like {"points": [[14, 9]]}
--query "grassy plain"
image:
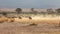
{"points": [[46, 24]]}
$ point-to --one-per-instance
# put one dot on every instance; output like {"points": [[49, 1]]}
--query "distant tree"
{"points": [[50, 11], [58, 10], [18, 10], [42, 12], [4, 13], [32, 9]]}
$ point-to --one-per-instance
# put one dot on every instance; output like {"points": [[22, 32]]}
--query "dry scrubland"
{"points": [[45, 25]]}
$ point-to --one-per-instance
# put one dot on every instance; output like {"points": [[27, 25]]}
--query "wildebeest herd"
{"points": [[11, 19]]}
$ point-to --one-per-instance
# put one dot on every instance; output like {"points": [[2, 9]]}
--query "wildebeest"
{"points": [[30, 18], [33, 24], [20, 18]]}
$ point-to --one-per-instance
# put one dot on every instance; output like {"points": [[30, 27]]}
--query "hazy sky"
{"points": [[30, 3]]}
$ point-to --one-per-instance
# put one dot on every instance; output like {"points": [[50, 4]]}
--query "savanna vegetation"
{"points": [[33, 22]]}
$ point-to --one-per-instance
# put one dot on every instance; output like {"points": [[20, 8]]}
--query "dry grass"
{"points": [[38, 20], [3, 19], [21, 26]]}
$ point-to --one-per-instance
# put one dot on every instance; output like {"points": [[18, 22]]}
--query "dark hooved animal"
{"points": [[33, 24], [30, 18], [20, 18]]}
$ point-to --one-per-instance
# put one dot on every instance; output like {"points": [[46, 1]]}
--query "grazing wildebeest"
{"points": [[33, 24], [30, 18], [20, 18], [11, 18]]}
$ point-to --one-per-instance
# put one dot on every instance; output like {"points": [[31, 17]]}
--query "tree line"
{"points": [[49, 11]]}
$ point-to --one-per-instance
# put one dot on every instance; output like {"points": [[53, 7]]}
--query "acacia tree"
{"points": [[18, 10], [58, 10], [50, 11], [32, 9]]}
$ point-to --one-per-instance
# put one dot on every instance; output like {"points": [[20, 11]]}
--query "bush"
{"points": [[4, 13]]}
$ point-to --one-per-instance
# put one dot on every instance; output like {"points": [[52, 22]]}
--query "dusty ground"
{"points": [[19, 28]]}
